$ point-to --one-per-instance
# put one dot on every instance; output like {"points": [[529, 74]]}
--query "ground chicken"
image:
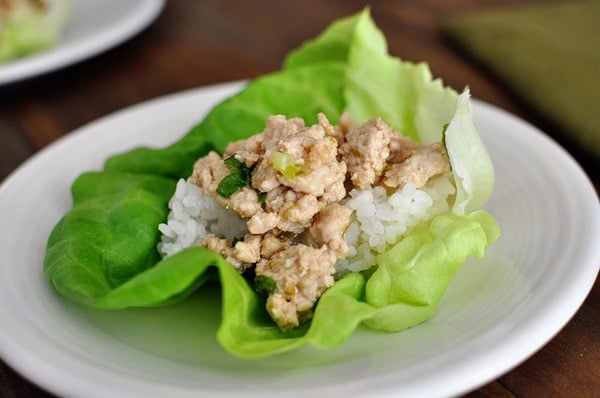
{"points": [[310, 157], [271, 244], [366, 151], [248, 250], [224, 248], [329, 227], [244, 202], [423, 163], [248, 149], [263, 222], [208, 172], [375, 154], [292, 199], [301, 273], [347, 124]]}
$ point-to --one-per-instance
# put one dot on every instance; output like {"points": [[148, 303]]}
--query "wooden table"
{"points": [[196, 43]]}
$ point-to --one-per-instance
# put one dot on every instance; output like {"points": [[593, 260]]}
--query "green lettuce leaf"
{"points": [[25, 29], [299, 92], [103, 252], [471, 165], [404, 290], [92, 250], [402, 93]]}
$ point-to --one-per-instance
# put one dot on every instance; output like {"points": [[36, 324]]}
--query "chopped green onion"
{"points": [[285, 164], [238, 178], [264, 285], [262, 198]]}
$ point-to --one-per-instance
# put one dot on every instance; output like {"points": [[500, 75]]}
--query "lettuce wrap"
{"points": [[103, 254]]}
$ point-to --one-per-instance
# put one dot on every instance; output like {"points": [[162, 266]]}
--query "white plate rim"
{"points": [[516, 348], [62, 55]]}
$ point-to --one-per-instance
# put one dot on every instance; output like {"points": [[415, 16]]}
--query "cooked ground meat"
{"points": [[329, 226], [366, 150], [418, 167], [302, 273], [293, 200]]}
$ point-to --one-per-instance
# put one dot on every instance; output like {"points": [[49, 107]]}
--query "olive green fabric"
{"points": [[548, 55]]}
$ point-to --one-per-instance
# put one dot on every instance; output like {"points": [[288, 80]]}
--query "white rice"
{"points": [[378, 221], [192, 216]]}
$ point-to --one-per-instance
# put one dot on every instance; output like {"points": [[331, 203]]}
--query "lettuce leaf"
{"points": [[401, 93], [103, 252], [299, 92], [25, 29], [91, 250], [471, 165]]}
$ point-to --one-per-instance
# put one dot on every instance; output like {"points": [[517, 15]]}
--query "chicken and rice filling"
{"points": [[289, 188]]}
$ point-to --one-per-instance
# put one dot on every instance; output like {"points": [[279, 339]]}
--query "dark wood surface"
{"points": [[196, 43]]}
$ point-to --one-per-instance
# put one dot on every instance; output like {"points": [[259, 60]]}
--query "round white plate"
{"points": [[94, 27], [497, 312]]}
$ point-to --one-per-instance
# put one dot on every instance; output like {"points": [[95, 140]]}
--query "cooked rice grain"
{"points": [[192, 216], [379, 220]]}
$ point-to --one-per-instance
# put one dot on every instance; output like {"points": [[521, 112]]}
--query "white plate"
{"points": [[496, 313], [95, 26]]}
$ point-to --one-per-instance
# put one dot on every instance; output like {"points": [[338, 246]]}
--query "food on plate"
{"points": [[295, 203], [29, 26], [344, 189]]}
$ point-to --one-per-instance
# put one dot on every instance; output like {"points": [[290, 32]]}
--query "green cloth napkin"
{"points": [[548, 55]]}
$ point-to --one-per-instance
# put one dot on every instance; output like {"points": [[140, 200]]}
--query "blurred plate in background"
{"points": [[94, 27]]}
